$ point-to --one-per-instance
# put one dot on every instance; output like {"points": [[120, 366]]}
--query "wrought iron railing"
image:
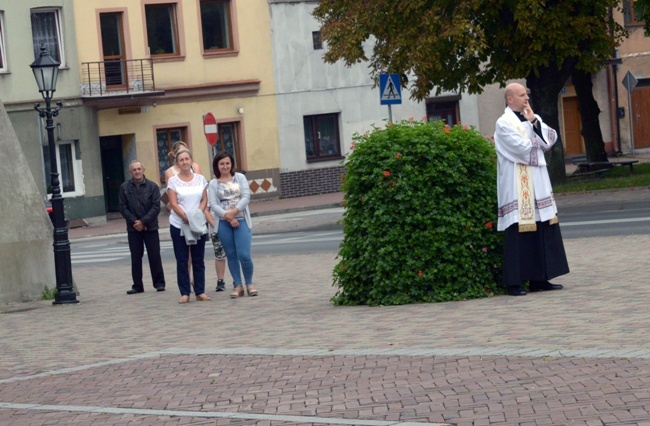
{"points": [[117, 77]]}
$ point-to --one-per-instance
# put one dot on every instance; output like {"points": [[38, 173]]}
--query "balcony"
{"points": [[118, 82]]}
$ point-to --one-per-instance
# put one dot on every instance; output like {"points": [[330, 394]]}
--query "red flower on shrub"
{"points": [[488, 225], [465, 127], [420, 273], [398, 155], [352, 146], [425, 118], [386, 173], [484, 249], [447, 130], [411, 118]]}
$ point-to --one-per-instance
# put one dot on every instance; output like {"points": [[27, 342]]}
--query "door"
{"points": [[574, 145], [112, 171], [640, 108], [115, 70]]}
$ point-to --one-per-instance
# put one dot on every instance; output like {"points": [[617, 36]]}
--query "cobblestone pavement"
{"points": [[580, 356]]}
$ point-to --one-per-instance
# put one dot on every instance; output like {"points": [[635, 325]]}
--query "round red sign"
{"points": [[210, 128]]}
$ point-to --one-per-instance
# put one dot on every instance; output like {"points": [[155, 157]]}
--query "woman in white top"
{"points": [[187, 193]]}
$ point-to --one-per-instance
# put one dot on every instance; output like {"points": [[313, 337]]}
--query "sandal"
{"points": [[184, 299], [251, 290], [239, 292], [203, 297]]}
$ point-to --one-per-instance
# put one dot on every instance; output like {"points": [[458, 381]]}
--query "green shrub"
{"points": [[420, 217]]}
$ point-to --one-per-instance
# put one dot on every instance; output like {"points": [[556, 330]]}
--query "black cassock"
{"points": [[533, 256]]}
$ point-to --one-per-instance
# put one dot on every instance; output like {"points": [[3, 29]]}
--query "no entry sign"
{"points": [[210, 128]]}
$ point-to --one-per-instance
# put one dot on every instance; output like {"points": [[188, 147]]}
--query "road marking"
{"points": [[605, 221]]}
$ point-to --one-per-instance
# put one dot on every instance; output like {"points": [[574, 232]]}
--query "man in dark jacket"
{"points": [[140, 205]]}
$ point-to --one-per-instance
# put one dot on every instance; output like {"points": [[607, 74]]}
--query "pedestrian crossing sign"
{"points": [[390, 89]]}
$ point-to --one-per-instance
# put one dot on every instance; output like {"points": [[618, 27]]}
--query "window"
{"points": [[216, 25], [228, 141], [445, 111], [46, 31], [165, 138], [316, 40], [631, 13], [162, 29], [69, 166], [3, 60], [322, 137]]}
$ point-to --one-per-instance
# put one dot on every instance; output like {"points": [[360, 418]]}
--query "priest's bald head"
{"points": [[516, 97]]}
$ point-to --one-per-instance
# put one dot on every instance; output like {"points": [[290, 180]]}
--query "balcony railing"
{"points": [[117, 78]]}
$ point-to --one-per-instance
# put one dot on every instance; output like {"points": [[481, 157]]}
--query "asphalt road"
{"points": [[318, 231]]}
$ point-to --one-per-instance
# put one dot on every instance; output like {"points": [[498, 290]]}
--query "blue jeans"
{"points": [[237, 243], [182, 252]]}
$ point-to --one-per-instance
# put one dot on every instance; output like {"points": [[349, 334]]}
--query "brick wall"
{"points": [[311, 182]]}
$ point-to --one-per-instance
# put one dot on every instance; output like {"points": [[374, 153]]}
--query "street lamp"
{"points": [[46, 71]]}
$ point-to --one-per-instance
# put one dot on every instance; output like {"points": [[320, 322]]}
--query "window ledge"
{"points": [[159, 59], [320, 160], [223, 54]]}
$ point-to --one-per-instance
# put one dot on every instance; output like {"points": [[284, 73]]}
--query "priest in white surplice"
{"points": [[533, 249]]}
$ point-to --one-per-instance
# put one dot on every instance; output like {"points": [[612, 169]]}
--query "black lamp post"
{"points": [[46, 71]]}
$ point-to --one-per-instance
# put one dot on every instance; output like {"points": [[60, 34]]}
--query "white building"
{"points": [[320, 106]]}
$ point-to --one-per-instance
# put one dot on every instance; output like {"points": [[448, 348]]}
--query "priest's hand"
{"points": [[528, 113]]}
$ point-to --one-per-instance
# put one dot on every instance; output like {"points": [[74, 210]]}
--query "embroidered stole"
{"points": [[524, 184]]}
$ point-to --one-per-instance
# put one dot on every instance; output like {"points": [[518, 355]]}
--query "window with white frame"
{"points": [[69, 167], [162, 29], [3, 59], [46, 31], [216, 25]]}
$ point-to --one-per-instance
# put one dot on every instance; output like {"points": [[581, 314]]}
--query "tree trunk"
{"points": [[589, 112], [544, 90]]}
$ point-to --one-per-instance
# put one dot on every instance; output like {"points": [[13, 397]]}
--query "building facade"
{"points": [[24, 27], [320, 106], [153, 69]]}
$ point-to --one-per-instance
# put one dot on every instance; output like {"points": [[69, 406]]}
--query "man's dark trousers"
{"points": [[137, 243]]}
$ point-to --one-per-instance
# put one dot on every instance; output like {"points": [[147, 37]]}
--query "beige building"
{"points": [[154, 68]]}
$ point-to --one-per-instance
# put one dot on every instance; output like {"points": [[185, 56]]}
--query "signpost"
{"points": [[390, 92], [630, 82], [210, 128]]}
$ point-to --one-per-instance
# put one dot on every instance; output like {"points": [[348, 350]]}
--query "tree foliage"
{"points": [[466, 45]]}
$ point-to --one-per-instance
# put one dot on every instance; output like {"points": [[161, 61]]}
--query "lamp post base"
{"points": [[65, 298]]}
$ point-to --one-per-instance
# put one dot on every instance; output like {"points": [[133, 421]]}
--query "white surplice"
{"points": [[512, 148]]}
